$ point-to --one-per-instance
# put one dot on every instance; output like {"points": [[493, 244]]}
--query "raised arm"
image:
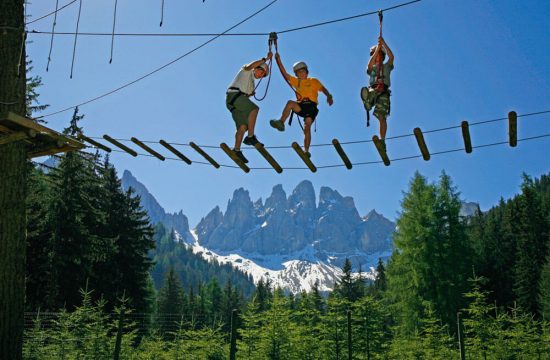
{"points": [[281, 66], [372, 60], [388, 51], [257, 63]]}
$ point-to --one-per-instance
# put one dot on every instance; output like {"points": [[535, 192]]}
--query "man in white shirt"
{"points": [[243, 110]]}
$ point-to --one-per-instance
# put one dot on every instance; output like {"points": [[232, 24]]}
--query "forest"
{"points": [[476, 286]]}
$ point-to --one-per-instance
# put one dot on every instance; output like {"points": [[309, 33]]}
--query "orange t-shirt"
{"points": [[307, 88]]}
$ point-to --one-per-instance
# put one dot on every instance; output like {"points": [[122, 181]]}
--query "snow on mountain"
{"points": [[293, 272], [292, 240]]}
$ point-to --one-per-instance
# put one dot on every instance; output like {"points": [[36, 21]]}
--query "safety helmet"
{"points": [[373, 48], [299, 65], [265, 68]]}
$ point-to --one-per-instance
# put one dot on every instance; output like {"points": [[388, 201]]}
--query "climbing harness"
{"points": [[270, 42]]}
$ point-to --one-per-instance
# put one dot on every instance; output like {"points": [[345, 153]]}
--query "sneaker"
{"points": [[240, 155], [277, 124], [364, 94], [308, 154], [252, 140]]}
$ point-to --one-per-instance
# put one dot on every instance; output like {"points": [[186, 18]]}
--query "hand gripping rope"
{"points": [[380, 63], [270, 42]]}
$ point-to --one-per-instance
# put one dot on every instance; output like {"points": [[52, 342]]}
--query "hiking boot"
{"points": [[252, 141], [277, 124], [240, 155]]}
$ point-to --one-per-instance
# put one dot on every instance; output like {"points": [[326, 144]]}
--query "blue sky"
{"points": [[454, 60]]}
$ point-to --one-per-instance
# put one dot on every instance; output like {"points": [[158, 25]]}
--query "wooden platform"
{"points": [[40, 140]]}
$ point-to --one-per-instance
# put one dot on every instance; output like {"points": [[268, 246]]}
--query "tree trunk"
{"points": [[12, 182]]}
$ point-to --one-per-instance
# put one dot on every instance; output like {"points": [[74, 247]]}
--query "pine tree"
{"points": [[169, 304], [74, 220], [128, 228], [544, 287], [531, 247], [409, 272]]}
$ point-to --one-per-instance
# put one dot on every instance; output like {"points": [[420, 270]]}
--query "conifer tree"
{"points": [[531, 247], [544, 287], [169, 304]]}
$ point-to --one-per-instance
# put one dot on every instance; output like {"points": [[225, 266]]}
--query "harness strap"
{"points": [[234, 98]]}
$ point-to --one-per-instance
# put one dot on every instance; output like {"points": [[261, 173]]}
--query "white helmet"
{"points": [[265, 68], [299, 65]]}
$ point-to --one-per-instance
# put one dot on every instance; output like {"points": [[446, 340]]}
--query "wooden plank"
{"points": [[274, 164], [176, 152], [466, 136], [13, 137], [513, 128], [303, 156], [147, 148], [204, 155], [50, 151], [234, 157], [120, 146], [94, 143], [5, 129], [29, 124], [421, 143], [342, 153], [378, 143]]}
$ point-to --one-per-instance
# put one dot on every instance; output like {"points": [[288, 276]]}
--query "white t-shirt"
{"points": [[244, 81]]}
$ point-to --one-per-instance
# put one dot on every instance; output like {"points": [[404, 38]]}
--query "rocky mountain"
{"points": [[177, 221], [293, 240]]}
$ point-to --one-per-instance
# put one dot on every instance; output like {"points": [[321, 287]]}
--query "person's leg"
{"points": [[241, 129], [290, 106], [252, 122], [383, 127], [307, 133]]}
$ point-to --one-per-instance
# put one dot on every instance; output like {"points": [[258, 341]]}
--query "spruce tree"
{"points": [[531, 247], [169, 304]]}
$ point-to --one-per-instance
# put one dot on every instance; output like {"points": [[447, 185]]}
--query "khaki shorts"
{"points": [[380, 102], [241, 109]]}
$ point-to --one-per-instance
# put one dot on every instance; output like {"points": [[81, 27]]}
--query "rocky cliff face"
{"points": [[283, 225], [177, 221]]}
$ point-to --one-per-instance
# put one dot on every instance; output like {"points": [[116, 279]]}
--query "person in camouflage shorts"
{"points": [[377, 95]]}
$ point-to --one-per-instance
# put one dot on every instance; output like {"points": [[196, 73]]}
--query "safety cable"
{"points": [[51, 40], [159, 68], [351, 142], [113, 34], [354, 164], [76, 36], [51, 13], [215, 37], [233, 34]]}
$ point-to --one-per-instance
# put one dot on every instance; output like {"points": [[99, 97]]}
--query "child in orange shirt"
{"points": [[307, 90]]}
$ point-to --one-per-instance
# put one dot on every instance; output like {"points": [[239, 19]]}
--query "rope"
{"points": [[410, 157], [75, 37], [233, 34], [161, 13], [113, 35], [53, 30], [51, 13], [159, 68], [272, 38], [349, 142]]}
